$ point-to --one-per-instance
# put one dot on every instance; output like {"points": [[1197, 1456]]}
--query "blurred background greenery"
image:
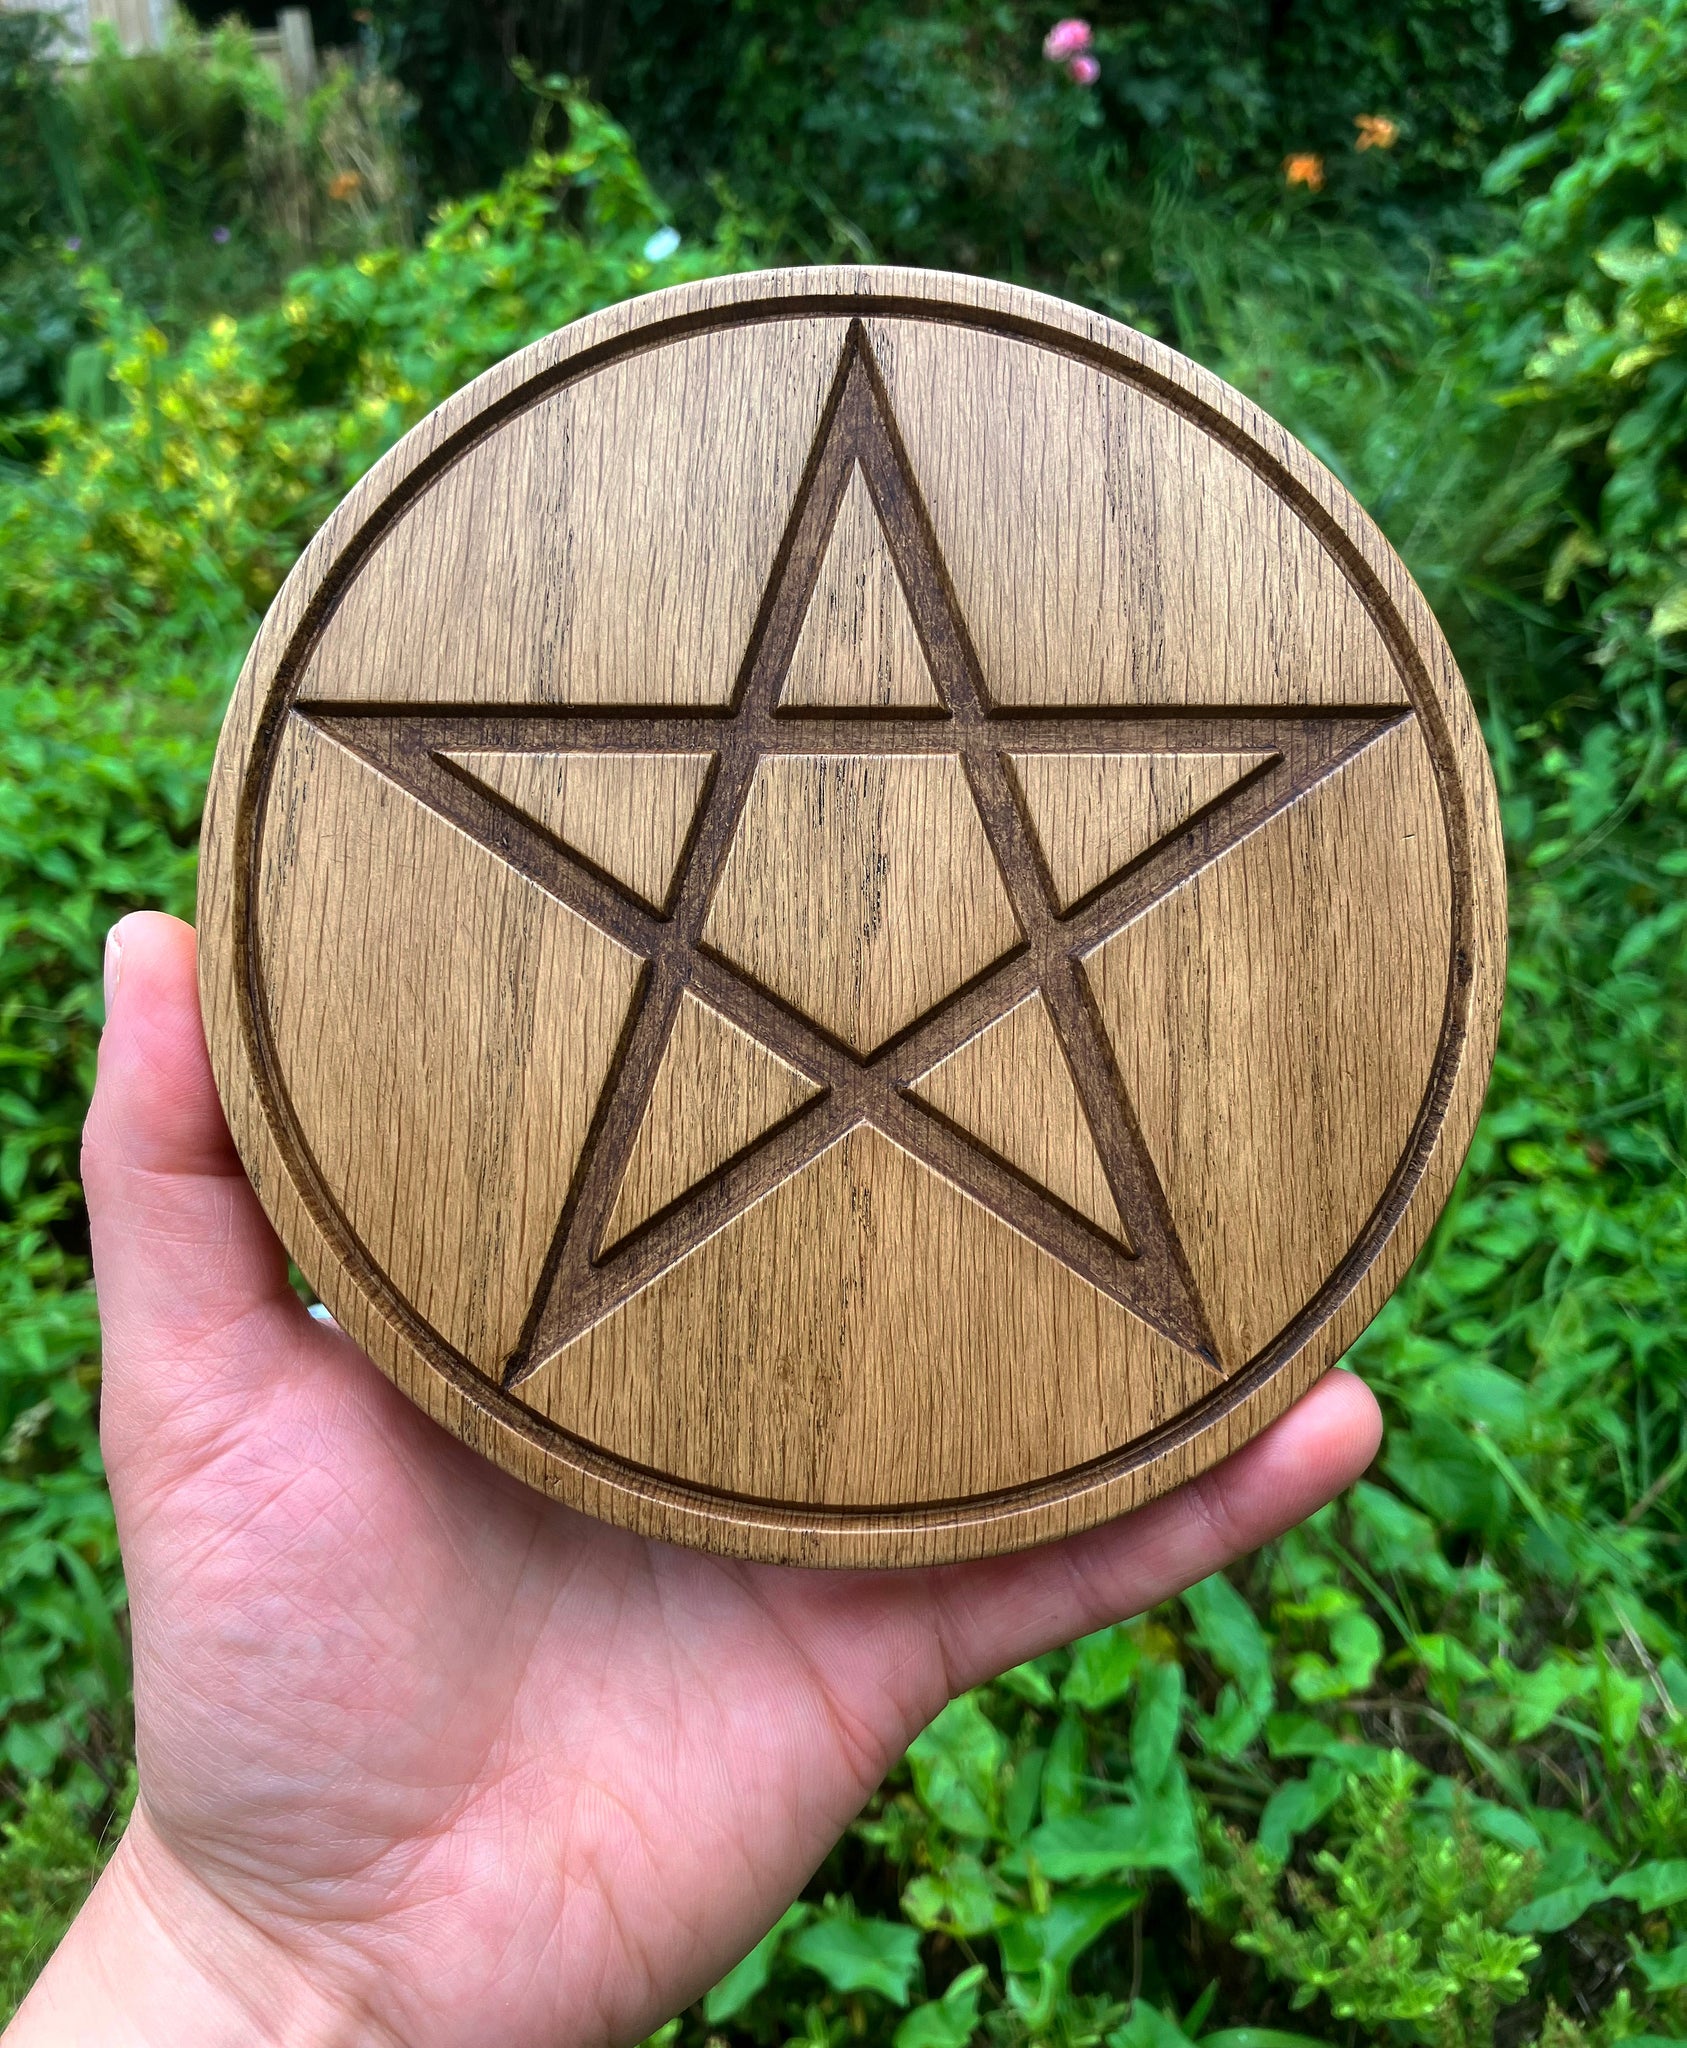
{"points": [[1416, 1774]]}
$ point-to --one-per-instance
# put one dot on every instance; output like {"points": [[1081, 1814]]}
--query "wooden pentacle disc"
{"points": [[852, 916]]}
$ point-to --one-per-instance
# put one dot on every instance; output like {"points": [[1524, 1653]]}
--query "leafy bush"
{"points": [[1417, 1773], [893, 121], [138, 560], [186, 171]]}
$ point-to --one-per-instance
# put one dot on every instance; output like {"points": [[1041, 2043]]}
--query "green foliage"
{"points": [[138, 558], [1403, 1923], [48, 1862], [188, 172], [1416, 1775], [934, 132]]}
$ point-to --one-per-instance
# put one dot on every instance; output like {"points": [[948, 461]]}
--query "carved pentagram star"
{"points": [[856, 890]]}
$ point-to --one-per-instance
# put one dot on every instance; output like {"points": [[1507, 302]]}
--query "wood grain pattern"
{"points": [[717, 1091], [929, 1306], [1275, 1020], [859, 649], [480, 1062], [851, 915], [1106, 551], [1010, 1088], [549, 566], [861, 888], [628, 814], [1094, 814]]}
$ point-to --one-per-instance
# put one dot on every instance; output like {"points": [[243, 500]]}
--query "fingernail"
{"points": [[113, 962]]}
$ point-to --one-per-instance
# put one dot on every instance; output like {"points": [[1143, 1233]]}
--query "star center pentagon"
{"points": [[861, 888]]}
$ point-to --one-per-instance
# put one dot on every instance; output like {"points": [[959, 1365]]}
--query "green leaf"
{"points": [[1553, 1911], [1056, 1939], [1299, 1804], [860, 1954], [1667, 1972], [1025, 1785], [1227, 1630], [956, 1899], [1653, 1886], [748, 1978], [948, 2022], [957, 1768], [1155, 1725], [1540, 1694], [1669, 614], [1063, 1774], [1030, 1682], [1152, 1833], [1103, 1666], [1258, 2037]]}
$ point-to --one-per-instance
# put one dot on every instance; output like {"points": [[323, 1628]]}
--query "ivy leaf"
{"points": [[1667, 1972], [1153, 1833], [954, 1900], [1554, 1911], [1053, 1941], [860, 1954], [1063, 1790], [1258, 2037], [1541, 1694], [1227, 1630]]}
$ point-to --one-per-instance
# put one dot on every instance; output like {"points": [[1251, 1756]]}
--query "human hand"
{"points": [[424, 1757]]}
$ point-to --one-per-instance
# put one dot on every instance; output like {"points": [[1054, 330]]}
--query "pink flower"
{"points": [[1066, 39], [1083, 71]]}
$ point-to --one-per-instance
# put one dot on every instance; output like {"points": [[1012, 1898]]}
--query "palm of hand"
{"points": [[460, 1751]]}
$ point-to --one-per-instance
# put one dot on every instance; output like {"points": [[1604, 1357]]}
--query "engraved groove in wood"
{"points": [[1093, 814], [859, 649], [1277, 1086], [626, 813], [717, 1091], [1339, 729], [803, 1425], [1186, 581], [1154, 1279], [861, 888], [487, 1061], [627, 602], [1010, 1088]]}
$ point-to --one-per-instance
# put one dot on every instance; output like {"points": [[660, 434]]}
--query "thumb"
{"points": [[193, 1288]]}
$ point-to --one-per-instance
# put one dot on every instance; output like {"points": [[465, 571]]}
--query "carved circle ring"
{"points": [[852, 916]]}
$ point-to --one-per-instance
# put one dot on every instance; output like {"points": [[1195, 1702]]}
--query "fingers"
{"points": [[188, 1269], [997, 1614]]}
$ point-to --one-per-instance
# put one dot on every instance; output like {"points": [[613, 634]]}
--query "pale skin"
{"points": [[425, 1758]]}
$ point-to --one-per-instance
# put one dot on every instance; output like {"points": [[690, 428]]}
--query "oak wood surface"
{"points": [[1010, 1088], [851, 915]]}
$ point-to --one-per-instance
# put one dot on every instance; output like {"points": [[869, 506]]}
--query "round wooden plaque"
{"points": [[851, 915]]}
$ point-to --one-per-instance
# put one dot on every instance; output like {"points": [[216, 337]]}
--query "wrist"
{"points": [[155, 1957]]}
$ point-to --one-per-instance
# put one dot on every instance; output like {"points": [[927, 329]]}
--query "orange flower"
{"points": [[1376, 131], [343, 184], [1305, 169]]}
